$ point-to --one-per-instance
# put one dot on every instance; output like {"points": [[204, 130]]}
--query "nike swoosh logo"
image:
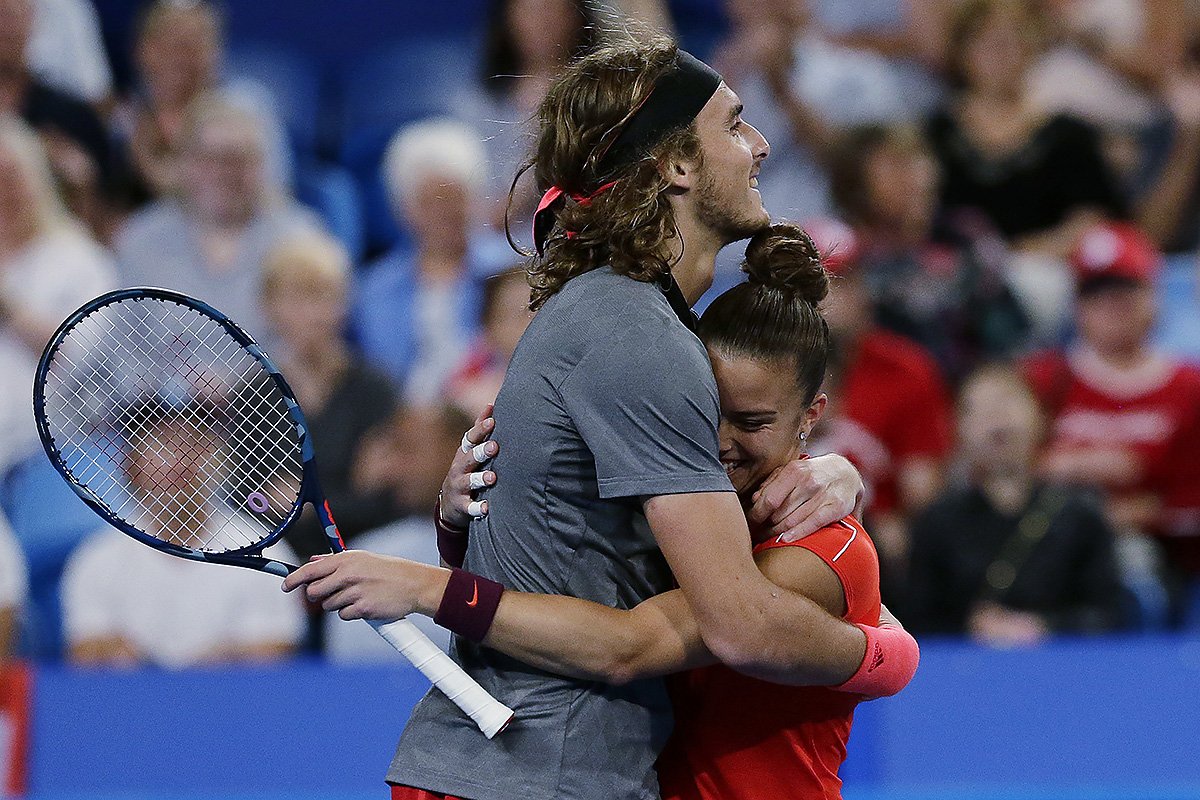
{"points": [[475, 597]]}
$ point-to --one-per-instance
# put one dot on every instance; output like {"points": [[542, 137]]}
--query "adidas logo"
{"points": [[877, 659]]}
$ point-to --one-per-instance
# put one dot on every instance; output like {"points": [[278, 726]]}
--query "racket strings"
{"points": [[160, 413]]}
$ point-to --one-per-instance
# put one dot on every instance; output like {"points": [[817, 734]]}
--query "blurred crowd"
{"points": [[1008, 193]]}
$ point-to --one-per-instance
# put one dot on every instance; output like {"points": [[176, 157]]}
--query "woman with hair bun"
{"points": [[735, 737]]}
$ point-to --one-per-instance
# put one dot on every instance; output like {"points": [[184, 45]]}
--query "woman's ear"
{"points": [[813, 413]]}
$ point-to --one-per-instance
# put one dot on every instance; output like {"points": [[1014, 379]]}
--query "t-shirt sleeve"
{"points": [[928, 429], [645, 403], [1049, 376], [1181, 480]]}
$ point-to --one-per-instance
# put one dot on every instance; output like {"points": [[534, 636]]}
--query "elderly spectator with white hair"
{"points": [[209, 239], [49, 266], [305, 294], [418, 307]]}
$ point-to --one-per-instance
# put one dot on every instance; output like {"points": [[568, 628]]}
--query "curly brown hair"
{"points": [[630, 225]]}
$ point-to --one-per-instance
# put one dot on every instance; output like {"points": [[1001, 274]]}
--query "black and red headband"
{"points": [[679, 92]]}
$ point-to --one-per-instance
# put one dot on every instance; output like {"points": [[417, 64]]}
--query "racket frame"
{"points": [[489, 714], [310, 490]]}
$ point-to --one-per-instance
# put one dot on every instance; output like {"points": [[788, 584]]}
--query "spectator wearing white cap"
{"points": [[1125, 417], [418, 307]]}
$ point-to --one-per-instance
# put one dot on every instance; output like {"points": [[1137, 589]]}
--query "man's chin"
{"points": [[742, 231]]}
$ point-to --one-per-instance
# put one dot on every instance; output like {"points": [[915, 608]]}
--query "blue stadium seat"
{"points": [[380, 93], [1191, 611], [331, 191], [48, 521], [333, 33], [361, 153], [406, 80], [294, 84]]}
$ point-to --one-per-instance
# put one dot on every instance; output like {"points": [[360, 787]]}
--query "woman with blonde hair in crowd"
{"points": [[305, 290], [49, 266]]}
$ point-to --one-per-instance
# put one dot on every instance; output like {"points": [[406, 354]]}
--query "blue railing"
{"points": [[1073, 720]]}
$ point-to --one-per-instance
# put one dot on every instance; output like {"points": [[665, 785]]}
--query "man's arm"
{"points": [[749, 623], [560, 634], [578, 638], [581, 639], [659, 636]]}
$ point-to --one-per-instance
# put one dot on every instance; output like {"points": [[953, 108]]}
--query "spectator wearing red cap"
{"points": [[1125, 416], [890, 411], [937, 278]]}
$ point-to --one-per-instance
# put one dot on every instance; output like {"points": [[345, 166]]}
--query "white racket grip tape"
{"points": [[489, 714]]}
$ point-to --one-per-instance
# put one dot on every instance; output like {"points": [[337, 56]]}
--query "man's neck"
{"points": [[694, 255]]}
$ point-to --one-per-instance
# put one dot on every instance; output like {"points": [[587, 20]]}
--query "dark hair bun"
{"points": [[784, 257]]}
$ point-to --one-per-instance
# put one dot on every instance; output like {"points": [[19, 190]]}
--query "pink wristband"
{"points": [[469, 604], [451, 542], [888, 665]]}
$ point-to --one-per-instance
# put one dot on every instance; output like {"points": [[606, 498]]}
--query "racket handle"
{"points": [[489, 714]]}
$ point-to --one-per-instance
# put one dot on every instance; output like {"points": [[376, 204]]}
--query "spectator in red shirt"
{"points": [[890, 413], [1125, 417]]}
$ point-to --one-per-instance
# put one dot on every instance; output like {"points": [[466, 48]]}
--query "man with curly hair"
{"points": [[606, 433]]}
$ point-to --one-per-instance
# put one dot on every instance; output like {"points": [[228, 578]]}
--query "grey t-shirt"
{"points": [[608, 399]]}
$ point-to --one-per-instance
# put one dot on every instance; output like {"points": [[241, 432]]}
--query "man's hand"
{"points": [[465, 477], [361, 585], [805, 495]]}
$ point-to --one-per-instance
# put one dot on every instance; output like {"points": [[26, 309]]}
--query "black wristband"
{"points": [[469, 604]]}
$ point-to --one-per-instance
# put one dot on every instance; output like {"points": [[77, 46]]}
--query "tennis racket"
{"points": [[177, 429]]}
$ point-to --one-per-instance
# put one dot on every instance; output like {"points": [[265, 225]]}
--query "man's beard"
{"points": [[716, 215]]}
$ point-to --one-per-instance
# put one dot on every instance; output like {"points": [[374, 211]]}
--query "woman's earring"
{"points": [[803, 435]]}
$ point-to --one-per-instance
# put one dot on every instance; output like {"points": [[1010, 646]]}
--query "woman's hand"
{"points": [[468, 474]]}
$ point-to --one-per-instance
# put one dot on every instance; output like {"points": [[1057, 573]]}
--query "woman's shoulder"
{"points": [[831, 543]]}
